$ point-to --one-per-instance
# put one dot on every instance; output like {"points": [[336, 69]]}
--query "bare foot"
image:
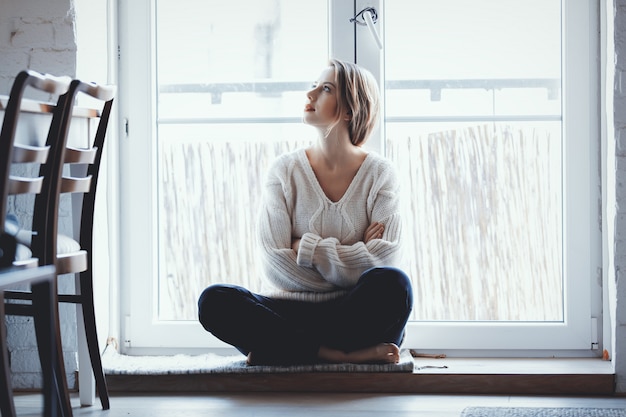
{"points": [[255, 359], [381, 353]]}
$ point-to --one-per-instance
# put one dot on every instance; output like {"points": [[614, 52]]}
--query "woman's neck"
{"points": [[335, 147], [336, 153]]}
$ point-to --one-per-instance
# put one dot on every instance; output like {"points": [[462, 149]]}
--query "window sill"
{"points": [[554, 376]]}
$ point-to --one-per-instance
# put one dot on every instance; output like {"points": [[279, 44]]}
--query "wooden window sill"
{"points": [[523, 376]]}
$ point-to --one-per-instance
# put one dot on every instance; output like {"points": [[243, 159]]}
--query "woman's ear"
{"points": [[347, 117]]}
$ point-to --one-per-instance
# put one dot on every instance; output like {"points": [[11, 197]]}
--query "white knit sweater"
{"points": [[332, 253]]}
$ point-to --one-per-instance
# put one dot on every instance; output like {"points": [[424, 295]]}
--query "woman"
{"points": [[329, 235]]}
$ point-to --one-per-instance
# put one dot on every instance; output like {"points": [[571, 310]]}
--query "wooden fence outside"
{"points": [[482, 212]]}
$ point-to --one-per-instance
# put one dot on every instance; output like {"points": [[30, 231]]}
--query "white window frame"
{"points": [[582, 258]]}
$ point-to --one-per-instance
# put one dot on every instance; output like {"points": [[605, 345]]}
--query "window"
{"points": [[487, 118]]}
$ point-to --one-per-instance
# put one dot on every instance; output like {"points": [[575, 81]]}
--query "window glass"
{"points": [[489, 130], [473, 122], [231, 87]]}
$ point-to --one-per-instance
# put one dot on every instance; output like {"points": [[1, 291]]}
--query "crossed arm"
{"points": [[374, 231]]}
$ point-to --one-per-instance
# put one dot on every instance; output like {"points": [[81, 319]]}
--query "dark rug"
{"points": [[542, 412]]}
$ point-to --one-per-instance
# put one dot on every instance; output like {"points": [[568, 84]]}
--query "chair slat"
{"points": [[23, 154], [20, 185], [75, 185], [80, 156]]}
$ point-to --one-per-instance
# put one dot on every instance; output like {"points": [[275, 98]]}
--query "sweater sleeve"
{"points": [[342, 265], [274, 232]]}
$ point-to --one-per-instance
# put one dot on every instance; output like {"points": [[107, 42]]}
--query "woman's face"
{"points": [[321, 107]]}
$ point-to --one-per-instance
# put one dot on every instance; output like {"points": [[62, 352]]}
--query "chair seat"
{"points": [[69, 263], [70, 257], [27, 263]]}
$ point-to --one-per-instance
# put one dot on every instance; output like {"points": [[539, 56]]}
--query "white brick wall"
{"points": [[619, 114], [38, 35]]}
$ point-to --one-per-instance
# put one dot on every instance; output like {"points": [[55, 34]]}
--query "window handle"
{"points": [[368, 16]]}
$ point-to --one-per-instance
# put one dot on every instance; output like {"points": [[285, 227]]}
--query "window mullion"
{"points": [[368, 55], [341, 37]]}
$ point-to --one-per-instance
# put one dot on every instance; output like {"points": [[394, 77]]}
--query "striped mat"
{"points": [[115, 363]]}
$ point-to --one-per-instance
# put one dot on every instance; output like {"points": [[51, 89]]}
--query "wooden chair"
{"points": [[85, 164], [19, 154], [75, 257], [41, 280]]}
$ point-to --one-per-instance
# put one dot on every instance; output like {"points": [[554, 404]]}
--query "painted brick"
{"points": [[54, 61], [620, 258], [621, 297], [26, 381], [23, 335], [620, 141], [620, 44], [620, 365], [13, 61], [33, 381], [620, 228], [5, 83], [27, 360], [620, 112], [620, 166], [68, 334], [6, 27], [33, 33], [64, 34], [37, 8], [620, 196]]}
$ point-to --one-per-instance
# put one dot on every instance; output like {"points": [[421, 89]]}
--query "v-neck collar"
{"points": [[304, 160]]}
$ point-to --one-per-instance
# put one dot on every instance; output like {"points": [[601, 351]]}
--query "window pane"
{"points": [[232, 78], [473, 112]]}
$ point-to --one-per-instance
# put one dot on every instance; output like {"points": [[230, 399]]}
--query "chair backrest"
{"points": [[14, 150], [84, 161], [105, 94]]}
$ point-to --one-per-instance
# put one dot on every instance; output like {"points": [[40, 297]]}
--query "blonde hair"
{"points": [[359, 97]]}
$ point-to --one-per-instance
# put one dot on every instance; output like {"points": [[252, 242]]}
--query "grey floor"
{"points": [[305, 405]]}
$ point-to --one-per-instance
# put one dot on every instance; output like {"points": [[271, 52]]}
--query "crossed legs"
{"points": [[365, 325]]}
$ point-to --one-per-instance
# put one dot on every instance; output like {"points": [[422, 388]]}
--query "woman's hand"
{"points": [[295, 245], [374, 231]]}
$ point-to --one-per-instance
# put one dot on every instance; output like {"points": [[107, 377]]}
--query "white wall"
{"points": [[38, 35], [616, 164]]}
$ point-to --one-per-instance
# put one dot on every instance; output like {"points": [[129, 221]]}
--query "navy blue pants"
{"points": [[280, 331]]}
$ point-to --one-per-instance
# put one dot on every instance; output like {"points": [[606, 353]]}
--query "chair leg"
{"points": [[48, 333], [7, 408], [89, 320]]}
